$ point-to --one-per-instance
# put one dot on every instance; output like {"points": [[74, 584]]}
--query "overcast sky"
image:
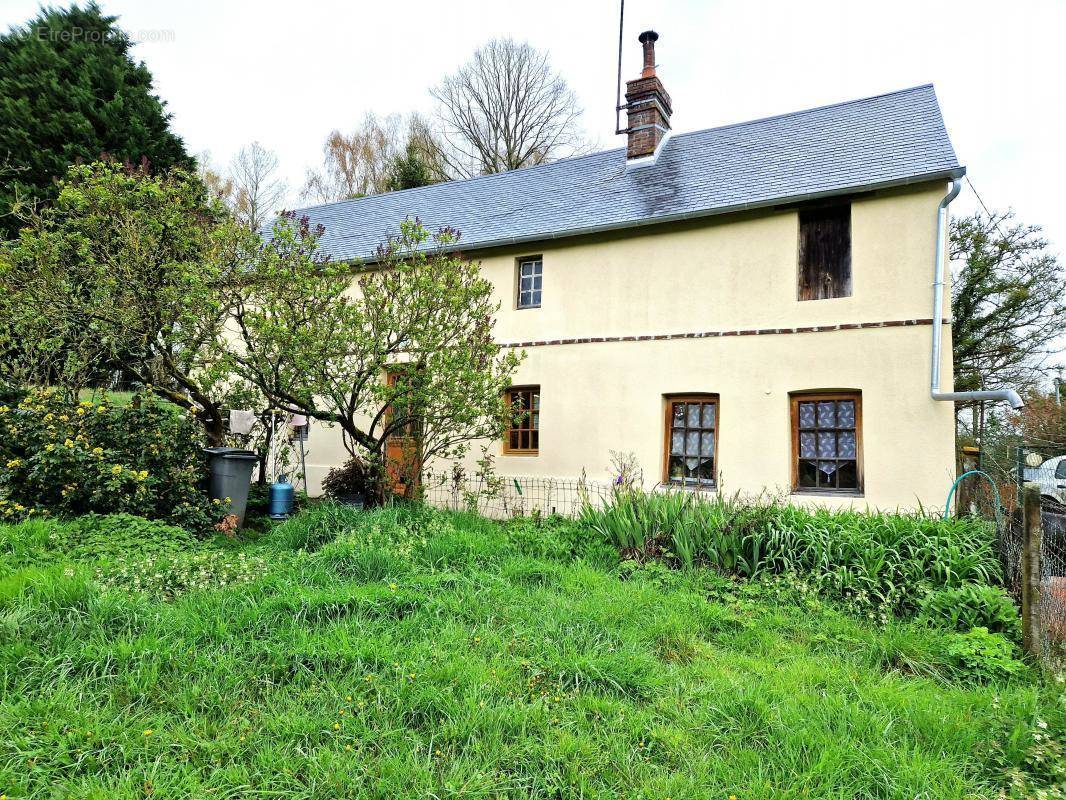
{"points": [[286, 73]]}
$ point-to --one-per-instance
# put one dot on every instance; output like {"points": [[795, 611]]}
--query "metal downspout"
{"points": [[1005, 395]]}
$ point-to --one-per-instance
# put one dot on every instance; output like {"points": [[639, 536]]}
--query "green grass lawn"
{"points": [[414, 654]]}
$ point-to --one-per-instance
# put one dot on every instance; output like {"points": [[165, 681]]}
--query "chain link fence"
{"points": [[1010, 461]]}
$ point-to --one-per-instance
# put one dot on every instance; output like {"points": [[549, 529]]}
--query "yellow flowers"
{"points": [[101, 409], [4, 409], [86, 404], [141, 475], [49, 417], [116, 470], [336, 726], [98, 451], [15, 462], [392, 587], [80, 411], [148, 731], [69, 443]]}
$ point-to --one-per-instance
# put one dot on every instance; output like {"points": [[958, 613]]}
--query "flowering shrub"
{"points": [[70, 458]]}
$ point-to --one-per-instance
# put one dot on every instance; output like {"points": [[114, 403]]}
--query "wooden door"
{"points": [[402, 451]]}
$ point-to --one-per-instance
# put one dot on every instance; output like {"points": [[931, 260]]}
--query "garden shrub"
{"points": [[69, 458], [880, 563], [972, 605], [354, 480], [983, 656]]}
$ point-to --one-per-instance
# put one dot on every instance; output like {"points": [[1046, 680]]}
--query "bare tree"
{"points": [[505, 109], [258, 192], [218, 185], [357, 163]]}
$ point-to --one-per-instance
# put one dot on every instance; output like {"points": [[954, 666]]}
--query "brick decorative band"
{"points": [[660, 337]]}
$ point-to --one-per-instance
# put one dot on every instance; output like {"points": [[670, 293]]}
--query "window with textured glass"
{"points": [[523, 432], [827, 442], [691, 431], [530, 276]]}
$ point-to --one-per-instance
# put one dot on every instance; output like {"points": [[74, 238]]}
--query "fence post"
{"points": [[1032, 536], [1020, 477]]}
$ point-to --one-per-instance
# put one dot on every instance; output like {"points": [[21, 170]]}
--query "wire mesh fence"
{"points": [[1049, 609], [505, 496], [1010, 462]]}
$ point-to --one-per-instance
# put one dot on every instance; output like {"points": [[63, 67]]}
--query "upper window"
{"points": [[691, 440], [825, 252], [827, 442], [530, 275], [523, 429]]}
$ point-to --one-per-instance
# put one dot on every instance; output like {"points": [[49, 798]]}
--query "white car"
{"points": [[1051, 475]]}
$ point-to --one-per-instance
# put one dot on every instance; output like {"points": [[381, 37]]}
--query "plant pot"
{"points": [[353, 500]]}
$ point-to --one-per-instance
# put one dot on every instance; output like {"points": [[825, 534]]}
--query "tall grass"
{"points": [[883, 560], [411, 653]]}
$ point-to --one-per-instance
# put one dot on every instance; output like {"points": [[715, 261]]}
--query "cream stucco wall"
{"points": [[725, 274]]}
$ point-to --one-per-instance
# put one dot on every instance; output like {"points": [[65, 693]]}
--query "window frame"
{"points": [[814, 292], [668, 417], [519, 263], [508, 399], [795, 398]]}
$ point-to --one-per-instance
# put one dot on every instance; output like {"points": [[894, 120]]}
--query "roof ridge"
{"points": [[812, 109], [601, 153]]}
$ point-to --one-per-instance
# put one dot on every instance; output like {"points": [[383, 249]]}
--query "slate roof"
{"points": [[887, 140]]}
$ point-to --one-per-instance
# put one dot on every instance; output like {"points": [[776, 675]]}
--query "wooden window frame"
{"points": [[508, 398], [795, 398], [519, 263], [668, 417], [812, 291]]}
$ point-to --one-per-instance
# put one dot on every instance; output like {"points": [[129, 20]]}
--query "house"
{"points": [[749, 307]]}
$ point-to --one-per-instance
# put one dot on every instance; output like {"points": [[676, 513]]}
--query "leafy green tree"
{"points": [[320, 338], [70, 91], [127, 270], [1008, 303]]}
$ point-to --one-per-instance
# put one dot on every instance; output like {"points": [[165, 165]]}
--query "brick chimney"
{"points": [[647, 105]]}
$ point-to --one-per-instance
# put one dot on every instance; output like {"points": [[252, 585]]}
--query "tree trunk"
{"points": [[214, 430]]}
